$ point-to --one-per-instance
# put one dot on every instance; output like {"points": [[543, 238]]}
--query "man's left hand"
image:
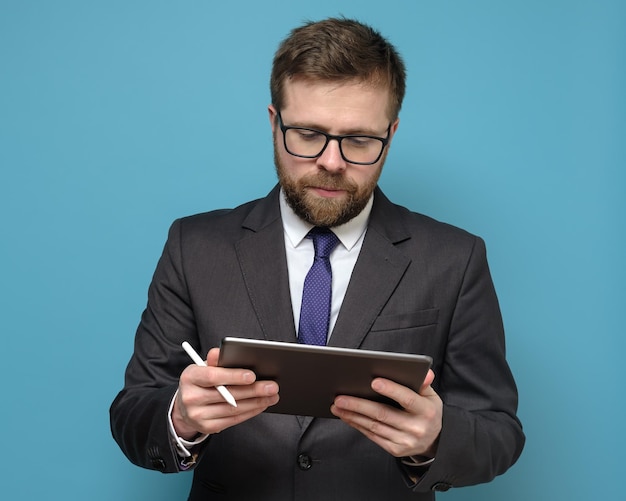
{"points": [[412, 430]]}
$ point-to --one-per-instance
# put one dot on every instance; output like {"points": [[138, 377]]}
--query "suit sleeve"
{"points": [[139, 413], [481, 436]]}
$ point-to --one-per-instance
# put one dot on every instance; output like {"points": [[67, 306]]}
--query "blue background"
{"points": [[117, 117]]}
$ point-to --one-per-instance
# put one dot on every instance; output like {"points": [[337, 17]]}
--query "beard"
{"points": [[327, 212]]}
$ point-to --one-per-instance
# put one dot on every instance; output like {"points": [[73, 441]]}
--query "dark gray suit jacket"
{"points": [[419, 286]]}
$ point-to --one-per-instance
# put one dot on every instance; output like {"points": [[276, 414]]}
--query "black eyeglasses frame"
{"points": [[339, 138]]}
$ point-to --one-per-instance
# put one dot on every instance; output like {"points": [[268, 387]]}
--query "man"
{"points": [[400, 282]]}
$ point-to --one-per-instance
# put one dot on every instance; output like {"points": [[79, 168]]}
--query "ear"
{"points": [[273, 114], [393, 129]]}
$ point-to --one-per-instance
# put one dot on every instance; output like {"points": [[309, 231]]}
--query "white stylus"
{"points": [[227, 395]]}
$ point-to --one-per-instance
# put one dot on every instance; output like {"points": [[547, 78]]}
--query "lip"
{"points": [[327, 192]]}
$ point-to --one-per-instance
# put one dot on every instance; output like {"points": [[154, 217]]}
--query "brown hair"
{"points": [[338, 49]]}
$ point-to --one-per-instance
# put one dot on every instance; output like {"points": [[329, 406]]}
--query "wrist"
{"points": [[181, 428]]}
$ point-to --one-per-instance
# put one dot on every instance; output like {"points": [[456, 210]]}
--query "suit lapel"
{"points": [[263, 263], [378, 270]]}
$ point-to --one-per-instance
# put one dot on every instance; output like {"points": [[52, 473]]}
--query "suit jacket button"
{"points": [[441, 487], [304, 462], [158, 464]]}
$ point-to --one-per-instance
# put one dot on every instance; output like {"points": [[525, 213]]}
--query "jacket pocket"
{"points": [[408, 320]]}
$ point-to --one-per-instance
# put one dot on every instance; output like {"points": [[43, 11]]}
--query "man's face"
{"points": [[327, 190]]}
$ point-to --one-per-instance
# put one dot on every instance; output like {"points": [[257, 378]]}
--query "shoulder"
{"points": [[208, 233], [215, 220], [404, 226], [229, 224]]}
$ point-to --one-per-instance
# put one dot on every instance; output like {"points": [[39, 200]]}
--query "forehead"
{"points": [[346, 104]]}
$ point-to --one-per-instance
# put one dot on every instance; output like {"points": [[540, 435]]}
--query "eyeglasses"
{"points": [[311, 143]]}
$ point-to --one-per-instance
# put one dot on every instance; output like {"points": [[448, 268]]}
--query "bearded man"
{"points": [[399, 281]]}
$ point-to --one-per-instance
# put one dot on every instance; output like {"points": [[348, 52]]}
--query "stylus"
{"points": [[227, 395]]}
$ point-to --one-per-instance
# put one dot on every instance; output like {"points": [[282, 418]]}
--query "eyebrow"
{"points": [[347, 132]]}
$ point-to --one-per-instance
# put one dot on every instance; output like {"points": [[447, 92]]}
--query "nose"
{"points": [[331, 159]]}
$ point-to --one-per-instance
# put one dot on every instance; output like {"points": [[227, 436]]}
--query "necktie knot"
{"points": [[324, 241]]}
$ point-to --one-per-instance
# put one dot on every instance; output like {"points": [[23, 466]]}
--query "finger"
{"points": [[231, 416], [428, 380], [367, 414], [381, 424], [219, 416], [205, 393], [212, 357], [405, 397], [198, 403], [259, 389], [209, 377]]}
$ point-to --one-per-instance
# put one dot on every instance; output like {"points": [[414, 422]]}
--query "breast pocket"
{"points": [[408, 320], [409, 332]]}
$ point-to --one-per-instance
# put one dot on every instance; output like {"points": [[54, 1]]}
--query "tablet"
{"points": [[310, 377]]}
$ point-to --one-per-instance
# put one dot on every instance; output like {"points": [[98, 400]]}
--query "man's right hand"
{"points": [[199, 408]]}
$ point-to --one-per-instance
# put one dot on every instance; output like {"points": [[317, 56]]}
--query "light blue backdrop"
{"points": [[117, 117]]}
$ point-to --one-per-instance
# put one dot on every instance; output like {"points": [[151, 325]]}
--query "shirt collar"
{"points": [[348, 234]]}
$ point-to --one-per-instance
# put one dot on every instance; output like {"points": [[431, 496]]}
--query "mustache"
{"points": [[328, 181]]}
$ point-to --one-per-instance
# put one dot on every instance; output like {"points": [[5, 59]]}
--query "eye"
{"points": [[309, 135], [359, 141]]}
